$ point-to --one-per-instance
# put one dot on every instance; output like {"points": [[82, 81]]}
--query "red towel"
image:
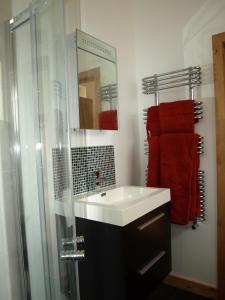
{"points": [[177, 117], [153, 162], [153, 125], [108, 120], [178, 171]]}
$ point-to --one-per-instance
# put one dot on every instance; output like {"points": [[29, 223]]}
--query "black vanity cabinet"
{"points": [[125, 263]]}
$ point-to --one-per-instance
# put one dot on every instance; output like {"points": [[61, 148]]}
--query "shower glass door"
{"points": [[42, 153]]}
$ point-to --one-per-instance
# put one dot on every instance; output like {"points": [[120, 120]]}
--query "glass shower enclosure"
{"points": [[40, 153]]}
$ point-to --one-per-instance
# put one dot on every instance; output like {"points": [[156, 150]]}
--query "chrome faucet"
{"points": [[98, 180]]}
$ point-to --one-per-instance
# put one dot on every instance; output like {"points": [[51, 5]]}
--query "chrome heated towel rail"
{"points": [[190, 77]]}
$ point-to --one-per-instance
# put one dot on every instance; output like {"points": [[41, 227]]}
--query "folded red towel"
{"points": [[178, 171], [153, 162], [153, 125], [177, 117], [108, 120]]}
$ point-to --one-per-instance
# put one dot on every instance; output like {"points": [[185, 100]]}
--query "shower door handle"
{"points": [[74, 255], [71, 242]]}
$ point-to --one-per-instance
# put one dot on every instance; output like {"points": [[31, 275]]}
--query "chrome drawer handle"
{"points": [[151, 263], [153, 220]]}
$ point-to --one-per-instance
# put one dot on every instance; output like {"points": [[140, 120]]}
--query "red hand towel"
{"points": [[177, 117], [153, 125], [108, 120], [178, 172], [153, 162]]}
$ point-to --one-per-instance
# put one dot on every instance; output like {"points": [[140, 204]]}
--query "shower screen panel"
{"points": [[40, 128]]}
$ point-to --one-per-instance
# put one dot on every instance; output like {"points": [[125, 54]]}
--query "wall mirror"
{"points": [[97, 81]]}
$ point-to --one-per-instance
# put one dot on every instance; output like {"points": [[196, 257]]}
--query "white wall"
{"points": [[114, 26], [197, 43], [153, 37], [170, 35]]}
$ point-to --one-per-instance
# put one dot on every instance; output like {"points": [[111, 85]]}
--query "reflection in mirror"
{"points": [[97, 79]]}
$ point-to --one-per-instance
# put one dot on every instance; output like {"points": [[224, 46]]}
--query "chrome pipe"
{"points": [[156, 85], [157, 97], [197, 69], [198, 102], [201, 175], [201, 172], [197, 106], [197, 113], [160, 82], [152, 81], [163, 86], [198, 110], [201, 152], [146, 92], [198, 117]]}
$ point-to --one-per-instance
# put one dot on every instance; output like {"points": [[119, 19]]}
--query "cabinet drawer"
{"points": [[148, 276], [146, 237]]}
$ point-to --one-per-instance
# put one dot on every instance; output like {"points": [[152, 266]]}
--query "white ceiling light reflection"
{"points": [[17, 148], [38, 146]]}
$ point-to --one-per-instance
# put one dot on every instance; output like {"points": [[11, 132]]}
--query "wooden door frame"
{"points": [[93, 75], [218, 44]]}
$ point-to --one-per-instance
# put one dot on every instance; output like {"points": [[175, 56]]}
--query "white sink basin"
{"points": [[121, 205]]}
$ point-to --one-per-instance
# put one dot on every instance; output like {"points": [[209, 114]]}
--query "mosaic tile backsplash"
{"points": [[85, 162]]}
